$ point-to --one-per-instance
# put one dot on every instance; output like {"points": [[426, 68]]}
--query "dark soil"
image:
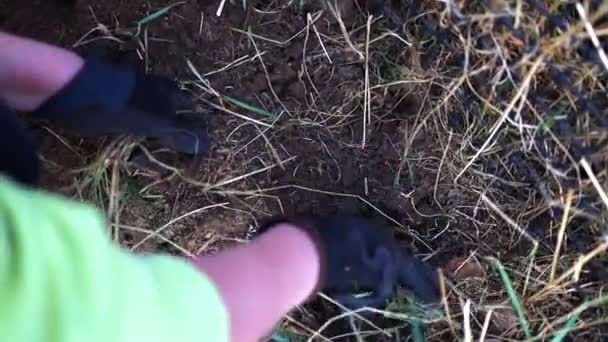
{"points": [[328, 150]]}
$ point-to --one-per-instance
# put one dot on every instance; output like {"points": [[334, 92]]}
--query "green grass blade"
{"points": [[563, 332], [159, 13], [280, 338], [548, 122], [515, 302], [417, 330], [250, 108]]}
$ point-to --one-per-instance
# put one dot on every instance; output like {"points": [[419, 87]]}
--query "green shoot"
{"points": [[515, 302], [250, 108]]}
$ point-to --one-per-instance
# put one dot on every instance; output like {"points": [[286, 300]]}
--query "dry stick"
{"points": [[327, 324], [314, 27], [220, 8], [308, 330], [259, 55], [206, 245], [513, 224], [395, 315], [161, 228], [390, 34], [273, 151], [594, 181], [504, 115], [251, 141], [466, 261], [367, 107], [160, 236], [466, 313], [600, 301], [445, 153], [304, 58], [394, 83], [345, 314], [576, 269], [353, 327], [529, 271], [113, 205], [236, 179], [560, 235], [344, 30], [233, 64], [486, 325], [508, 219], [206, 187], [202, 80], [205, 82], [419, 126], [107, 34], [592, 35], [63, 141], [444, 301], [518, 14], [276, 42], [241, 116]]}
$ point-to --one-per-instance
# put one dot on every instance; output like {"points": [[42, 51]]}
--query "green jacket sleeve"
{"points": [[62, 279]]}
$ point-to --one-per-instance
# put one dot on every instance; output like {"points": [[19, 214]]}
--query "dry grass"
{"points": [[507, 144]]}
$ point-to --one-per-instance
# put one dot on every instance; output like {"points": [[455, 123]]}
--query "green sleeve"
{"points": [[62, 279]]}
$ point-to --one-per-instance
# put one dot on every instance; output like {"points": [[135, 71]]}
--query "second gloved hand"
{"points": [[107, 99], [360, 256]]}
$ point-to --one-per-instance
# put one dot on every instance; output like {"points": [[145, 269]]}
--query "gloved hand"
{"points": [[361, 256], [106, 99], [18, 154]]}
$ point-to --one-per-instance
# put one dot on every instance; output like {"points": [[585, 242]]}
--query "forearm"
{"points": [[260, 282], [31, 72]]}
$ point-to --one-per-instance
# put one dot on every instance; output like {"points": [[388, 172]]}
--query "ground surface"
{"points": [[403, 92]]}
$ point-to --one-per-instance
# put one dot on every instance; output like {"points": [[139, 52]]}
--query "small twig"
{"points": [[157, 231], [504, 115], [160, 236], [220, 8], [444, 302], [466, 313], [592, 35], [509, 220], [560, 235], [594, 181], [575, 270], [347, 313], [345, 34], [486, 325], [367, 107], [310, 22], [445, 153], [114, 199], [247, 175]]}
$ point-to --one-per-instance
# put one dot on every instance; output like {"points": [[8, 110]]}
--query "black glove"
{"points": [[18, 154], [106, 99], [362, 256]]}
